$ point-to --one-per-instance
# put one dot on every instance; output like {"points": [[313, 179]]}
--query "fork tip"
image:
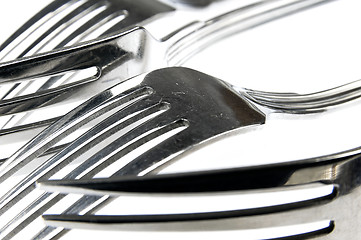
{"points": [[47, 185]]}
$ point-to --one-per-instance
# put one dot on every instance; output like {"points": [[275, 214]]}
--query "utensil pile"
{"points": [[94, 103]]}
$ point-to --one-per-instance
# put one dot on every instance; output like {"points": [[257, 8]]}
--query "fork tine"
{"points": [[164, 223], [177, 222], [334, 213], [264, 216], [128, 143], [91, 26], [322, 207], [52, 63], [58, 26], [14, 166], [19, 221], [136, 14], [28, 126], [196, 182], [250, 178], [77, 117], [39, 99], [42, 204], [321, 169], [82, 203], [25, 218], [124, 8], [50, 151], [31, 25]]}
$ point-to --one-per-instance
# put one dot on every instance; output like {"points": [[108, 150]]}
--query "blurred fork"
{"points": [[336, 202], [121, 56], [63, 23], [66, 22], [139, 128], [136, 106]]}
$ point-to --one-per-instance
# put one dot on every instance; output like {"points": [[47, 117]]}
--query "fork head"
{"points": [[26, 110], [170, 111], [321, 196], [61, 23], [35, 110], [66, 22], [334, 180], [206, 105]]}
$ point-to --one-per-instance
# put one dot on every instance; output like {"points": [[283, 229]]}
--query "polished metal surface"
{"points": [[167, 110], [108, 18], [118, 57], [294, 103], [34, 37], [61, 23], [339, 206], [151, 111]]}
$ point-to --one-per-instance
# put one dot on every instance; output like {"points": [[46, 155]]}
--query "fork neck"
{"points": [[194, 37]]}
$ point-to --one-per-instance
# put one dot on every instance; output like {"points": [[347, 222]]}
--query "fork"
{"points": [[54, 28], [138, 129], [115, 63], [19, 227], [336, 178], [43, 31], [66, 22], [63, 23]]}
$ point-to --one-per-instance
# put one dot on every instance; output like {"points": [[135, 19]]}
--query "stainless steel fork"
{"points": [[137, 130], [64, 23], [47, 229], [121, 56], [336, 202]]}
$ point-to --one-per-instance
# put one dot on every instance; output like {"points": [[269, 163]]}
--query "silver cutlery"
{"points": [[284, 102], [338, 207], [138, 129], [119, 57]]}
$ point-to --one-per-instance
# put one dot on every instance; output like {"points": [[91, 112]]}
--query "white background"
{"points": [[310, 51]]}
